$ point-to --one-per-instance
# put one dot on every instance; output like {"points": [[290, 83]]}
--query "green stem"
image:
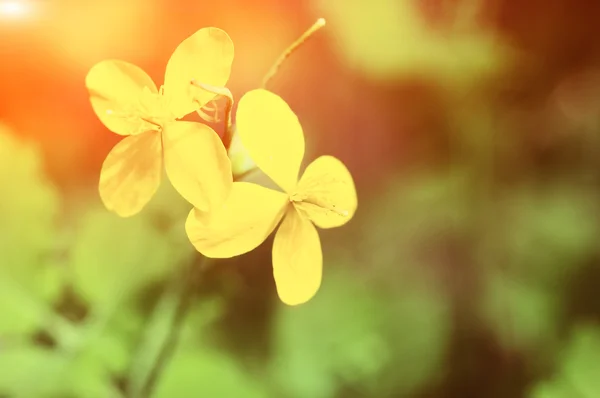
{"points": [[191, 278], [187, 286]]}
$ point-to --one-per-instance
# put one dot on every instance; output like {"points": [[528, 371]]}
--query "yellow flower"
{"points": [[325, 196], [128, 103]]}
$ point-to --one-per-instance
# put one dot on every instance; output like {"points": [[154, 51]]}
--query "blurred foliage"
{"points": [[199, 367], [577, 375], [356, 338], [471, 274], [112, 257], [103, 335], [29, 205], [69, 312], [550, 232], [523, 316], [387, 39], [553, 228]]}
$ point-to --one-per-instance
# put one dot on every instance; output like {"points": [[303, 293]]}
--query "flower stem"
{"points": [[191, 277], [285, 55], [187, 286]]}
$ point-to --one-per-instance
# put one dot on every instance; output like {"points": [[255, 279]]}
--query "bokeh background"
{"points": [[471, 268]]}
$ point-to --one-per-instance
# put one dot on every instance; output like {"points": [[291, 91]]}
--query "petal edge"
{"points": [[131, 174], [206, 56], [197, 164], [328, 191], [272, 135], [297, 259], [245, 220], [115, 87]]}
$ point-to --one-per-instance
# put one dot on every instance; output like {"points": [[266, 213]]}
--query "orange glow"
{"points": [[48, 46]]}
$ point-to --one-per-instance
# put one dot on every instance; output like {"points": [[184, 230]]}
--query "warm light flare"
{"points": [[13, 9]]}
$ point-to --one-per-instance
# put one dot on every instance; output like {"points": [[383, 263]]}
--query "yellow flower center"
{"points": [[154, 108]]}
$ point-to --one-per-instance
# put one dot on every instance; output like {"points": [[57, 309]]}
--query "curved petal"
{"points": [[326, 193], [115, 88], [245, 220], [131, 174], [197, 164], [206, 57], [273, 136], [297, 259]]}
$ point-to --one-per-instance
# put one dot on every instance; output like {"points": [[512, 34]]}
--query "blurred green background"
{"points": [[471, 269]]}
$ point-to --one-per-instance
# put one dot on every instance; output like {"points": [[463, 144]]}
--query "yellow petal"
{"points": [[115, 89], [273, 136], [326, 193], [206, 57], [245, 220], [131, 173], [197, 164], [297, 259]]}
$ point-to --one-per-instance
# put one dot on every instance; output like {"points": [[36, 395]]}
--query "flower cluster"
{"points": [[229, 217]]}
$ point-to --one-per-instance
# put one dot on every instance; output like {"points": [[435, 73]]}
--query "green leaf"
{"points": [[555, 389], [54, 375], [111, 349], [203, 372], [112, 257], [87, 377], [578, 371], [84, 370], [18, 364], [581, 360]]}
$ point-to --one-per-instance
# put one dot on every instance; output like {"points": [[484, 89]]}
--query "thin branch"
{"points": [[189, 283], [285, 55], [191, 279]]}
